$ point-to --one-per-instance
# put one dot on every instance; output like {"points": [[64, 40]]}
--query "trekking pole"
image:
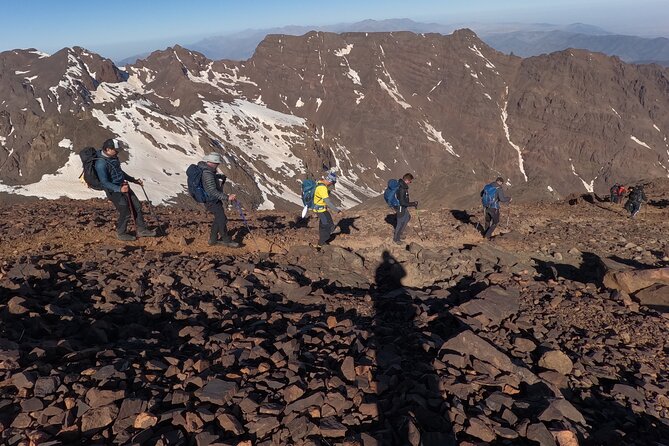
{"points": [[508, 215], [153, 214], [422, 239], [246, 223], [130, 206]]}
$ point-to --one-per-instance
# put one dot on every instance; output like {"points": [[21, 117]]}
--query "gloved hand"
{"points": [[139, 181]]}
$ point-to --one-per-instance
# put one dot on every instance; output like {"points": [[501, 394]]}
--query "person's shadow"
{"points": [[402, 366], [346, 224]]}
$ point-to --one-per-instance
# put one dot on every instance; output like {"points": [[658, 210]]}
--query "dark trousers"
{"points": [[491, 221], [403, 217], [220, 223], [634, 207], [326, 227], [125, 212]]}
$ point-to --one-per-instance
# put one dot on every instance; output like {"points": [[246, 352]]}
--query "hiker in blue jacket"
{"points": [[491, 196], [114, 182]]}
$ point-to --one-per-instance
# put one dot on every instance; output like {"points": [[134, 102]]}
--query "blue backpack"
{"points": [[195, 188], [308, 191], [390, 194], [489, 195]]}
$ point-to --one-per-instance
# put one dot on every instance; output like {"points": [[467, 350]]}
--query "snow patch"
{"points": [[381, 166], [299, 103], [21, 72], [434, 135], [505, 116], [433, 88], [391, 88], [175, 103], [590, 187], [319, 101], [641, 143], [344, 51], [614, 111], [41, 104]]}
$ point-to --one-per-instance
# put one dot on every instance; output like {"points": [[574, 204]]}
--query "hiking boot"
{"points": [[146, 233], [397, 242], [227, 243], [126, 237]]}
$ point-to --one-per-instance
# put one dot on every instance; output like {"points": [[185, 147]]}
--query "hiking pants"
{"points": [[125, 212], [403, 217], [326, 227], [220, 224], [491, 221], [634, 207]]}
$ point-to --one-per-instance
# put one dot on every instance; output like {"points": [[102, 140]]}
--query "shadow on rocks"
{"points": [[411, 408]]}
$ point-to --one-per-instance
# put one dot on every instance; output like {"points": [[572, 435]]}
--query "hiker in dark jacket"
{"points": [[403, 215], [491, 196], [115, 181], [217, 200], [636, 197], [614, 193]]}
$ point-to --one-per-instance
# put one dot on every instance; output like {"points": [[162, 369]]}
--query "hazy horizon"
{"points": [[126, 28]]}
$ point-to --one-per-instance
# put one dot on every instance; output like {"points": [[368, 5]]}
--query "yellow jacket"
{"points": [[320, 194]]}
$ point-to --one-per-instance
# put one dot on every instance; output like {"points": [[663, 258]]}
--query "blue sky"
{"points": [[123, 28]]}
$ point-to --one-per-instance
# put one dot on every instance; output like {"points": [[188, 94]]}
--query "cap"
{"points": [[112, 144], [213, 158], [331, 177], [499, 180]]}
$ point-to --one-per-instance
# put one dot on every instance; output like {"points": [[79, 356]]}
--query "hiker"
{"points": [[114, 182], [636, 197], [322, 206], [215, 200], [402, 211], [491, 196], [622, 190], [614, 193]]}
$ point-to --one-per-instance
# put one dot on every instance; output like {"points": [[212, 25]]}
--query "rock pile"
{"points": [[162, 344]]}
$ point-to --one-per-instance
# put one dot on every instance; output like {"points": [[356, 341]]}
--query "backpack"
{"points": [[489, 195], [88, 157], [308, 191], [390, 194], [195, 188]]}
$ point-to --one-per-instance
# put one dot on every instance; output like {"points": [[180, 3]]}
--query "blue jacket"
{"points": [[110, 173], [498, 197]]}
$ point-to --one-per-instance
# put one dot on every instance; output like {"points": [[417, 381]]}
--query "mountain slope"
{"points": [[375, 105]]}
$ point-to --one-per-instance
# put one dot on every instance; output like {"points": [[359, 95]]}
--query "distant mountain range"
{"points": [[450, 109], [523, 40]]}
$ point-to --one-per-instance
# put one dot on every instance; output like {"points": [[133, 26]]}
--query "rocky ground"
{"points": [[444, 340]]}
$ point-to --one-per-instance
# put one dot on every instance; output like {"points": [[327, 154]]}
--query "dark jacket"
{"points": [[211, 184], [402, 195], [110, 173], [637, 195]]}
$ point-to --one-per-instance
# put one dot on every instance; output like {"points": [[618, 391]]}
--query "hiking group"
{"points": [[634, 200], [102, 171]]}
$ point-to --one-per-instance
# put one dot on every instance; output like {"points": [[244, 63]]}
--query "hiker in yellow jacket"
{"points": [[322, 205]]}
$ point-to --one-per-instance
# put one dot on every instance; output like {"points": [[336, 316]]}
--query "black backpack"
{"points": [[88, 157], [637, 195]]}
